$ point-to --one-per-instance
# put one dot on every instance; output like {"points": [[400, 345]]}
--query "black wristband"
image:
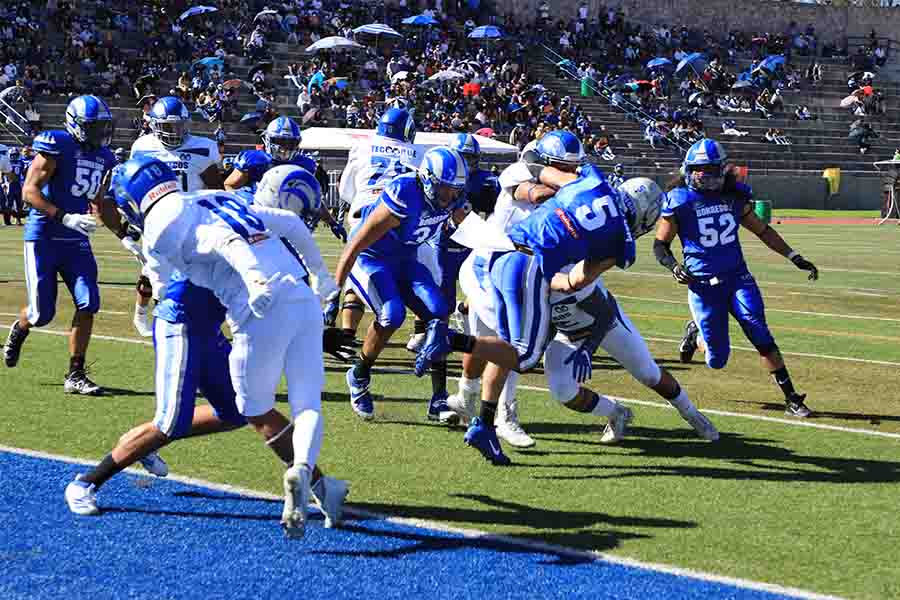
{"points": [[663, 252]]}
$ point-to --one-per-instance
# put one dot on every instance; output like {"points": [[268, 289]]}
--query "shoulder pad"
{"points": [[305, 161], [52, 142], [591, 171], [252, 159], [676, 198]]}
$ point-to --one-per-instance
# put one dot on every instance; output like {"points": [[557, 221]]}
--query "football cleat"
{"points": [[415, 342], [617, 426], [360, 397], [796, 407], [82, 497], [483, 438], [155, 465], [507, 426], [463, 406], [13, 347], [460, 318], [688, 345], [77, 382], [702, 425], [440, 411], [329, 494], [296, 499]]}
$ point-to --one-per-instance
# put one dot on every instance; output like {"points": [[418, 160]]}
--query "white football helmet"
{"points": [[643, 200]]}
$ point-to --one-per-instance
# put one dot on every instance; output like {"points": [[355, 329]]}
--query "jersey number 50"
{"points": [[87, 182]]}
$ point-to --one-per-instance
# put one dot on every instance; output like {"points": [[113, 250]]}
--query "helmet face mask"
{"points": [[704, 166], [89, 122], [282, 148], [170, 132], [443, 175], [705, 178]]}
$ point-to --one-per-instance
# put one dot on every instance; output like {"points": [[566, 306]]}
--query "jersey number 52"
{"points": [[711, 236]]}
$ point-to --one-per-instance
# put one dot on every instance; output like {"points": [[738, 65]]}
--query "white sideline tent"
{"points": [[333, 138]]}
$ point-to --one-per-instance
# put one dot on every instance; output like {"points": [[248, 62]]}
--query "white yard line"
{"points": [[473, 534]]}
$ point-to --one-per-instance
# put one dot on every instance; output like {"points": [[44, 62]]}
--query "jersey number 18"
{"points": [[234, 214]]}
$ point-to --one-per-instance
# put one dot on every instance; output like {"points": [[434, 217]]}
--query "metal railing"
{"points": [[12, 121]]}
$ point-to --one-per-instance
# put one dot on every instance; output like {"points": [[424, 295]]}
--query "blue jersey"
{"points": [[708, 228], [419, 221], [255, 163], [187, 303], [74, 184], [17, 177], [585, 219]]}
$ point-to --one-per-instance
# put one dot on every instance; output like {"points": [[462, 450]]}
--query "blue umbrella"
{"points": [[695, 60], [197, 10], [486, 32], [209, 62], [659, 63], [772, 62], [377, 29], [421, 20]]}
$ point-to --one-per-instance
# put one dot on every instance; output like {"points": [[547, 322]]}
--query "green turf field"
{"points": [[771, 501], [825, 214]]}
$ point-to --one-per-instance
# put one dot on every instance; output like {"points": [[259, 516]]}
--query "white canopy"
{"points": [[332, 138]]}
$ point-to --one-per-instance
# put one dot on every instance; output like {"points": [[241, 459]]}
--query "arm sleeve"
{"points": [[159, 271], [231, 247], [393, 199], [347, 186]]}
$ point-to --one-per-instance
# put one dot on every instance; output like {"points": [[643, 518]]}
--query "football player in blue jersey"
{"points": [[281, 140], [587, 224], [65, 181], [381, 265], [14, 188], [704, 211]]}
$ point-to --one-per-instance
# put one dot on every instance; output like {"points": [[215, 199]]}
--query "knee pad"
{"points": [[143, 287], [353, 304]]}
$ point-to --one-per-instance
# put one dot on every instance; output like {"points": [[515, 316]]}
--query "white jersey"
{"points": [[5, 165], [371, 164], [189, 160], [508, 211], [567, 317], [218, 242]]}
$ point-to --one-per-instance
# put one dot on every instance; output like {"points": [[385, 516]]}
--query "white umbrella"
{"points": [[399, 76], [447, 75], [377, 29], [334, 42], [266, 12]]}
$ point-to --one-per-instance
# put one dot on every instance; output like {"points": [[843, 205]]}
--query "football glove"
{"points": [[435, 347], [339, 232], [340, 343], [85, 224], [262, 293], [805, 265], [682, 275], [580, 359], [135, 248], [332, 306]]}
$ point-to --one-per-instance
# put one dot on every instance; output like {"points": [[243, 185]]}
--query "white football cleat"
{"points": [[142, 319], [462, 406], [702, 425], [82, 498], [508, 428], [415, 343], [329, 494], [618, 424], [296, 499], [155, 465]]}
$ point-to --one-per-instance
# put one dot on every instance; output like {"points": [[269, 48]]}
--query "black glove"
{"points": [[339, 232], [805, 265], [339, 343], [682, 275], [534, 162]]}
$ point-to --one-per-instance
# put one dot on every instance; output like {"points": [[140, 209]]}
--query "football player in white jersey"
{"points": [[218, 242], [371, 164], [194, 159]]}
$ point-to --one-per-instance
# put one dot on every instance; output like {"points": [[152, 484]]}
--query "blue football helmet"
{"points": [[89, 121], [397, 124], [170, 121], [282, 138], [292, 188], [642, 199], [120, 155], [228, 163], [139, 183], [704, 166], [561, 149], [13, 154], [443, 175], [468, 146]]}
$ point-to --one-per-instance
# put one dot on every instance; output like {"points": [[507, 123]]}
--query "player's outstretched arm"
{"points": [[236, 180], [582, 274], [376, 225], [776, 243]]}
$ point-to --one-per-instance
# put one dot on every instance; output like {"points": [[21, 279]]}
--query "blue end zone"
{"points": [[173, 540]]}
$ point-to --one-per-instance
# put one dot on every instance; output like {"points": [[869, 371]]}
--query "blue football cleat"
{"points": [[439, 410], [360, 398], [484, 439], [435, 347]]}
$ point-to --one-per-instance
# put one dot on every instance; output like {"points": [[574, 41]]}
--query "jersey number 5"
{"points": [[710, 236], [594, 216], [234, 214]]}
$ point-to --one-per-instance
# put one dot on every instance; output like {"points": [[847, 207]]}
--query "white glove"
{"points": [[261, 294], [135, 248], [85, 224], [325, 287]]}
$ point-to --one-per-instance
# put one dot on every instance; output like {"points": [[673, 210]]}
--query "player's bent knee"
{"points": [[564, 393], [648, 373], [392, 315]]}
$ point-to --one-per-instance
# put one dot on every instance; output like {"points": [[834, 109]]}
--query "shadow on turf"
{"points": [[108, 391], [825, 414], [754, 456]]}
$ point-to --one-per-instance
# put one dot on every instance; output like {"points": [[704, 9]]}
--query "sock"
{"points": [[681, 402], [102, 472], [470, 387], [602, 406], [76, 363], [784, 381], [349, 331], [507, 396], [420, 326], [362, 368], [439, 378], [461, 342], [488, 413], [140, 309], [307, 437]]}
